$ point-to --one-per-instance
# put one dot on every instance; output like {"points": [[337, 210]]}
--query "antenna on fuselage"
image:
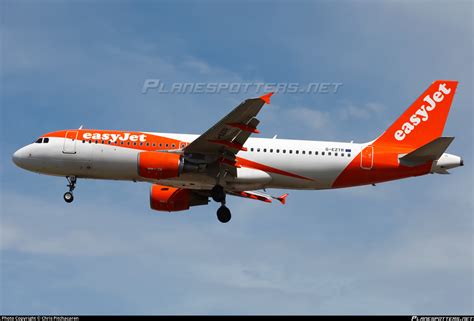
{"points": [[274, 137], [80, 127]]}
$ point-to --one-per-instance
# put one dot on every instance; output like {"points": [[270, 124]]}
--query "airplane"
{"points": [[186, 170]]}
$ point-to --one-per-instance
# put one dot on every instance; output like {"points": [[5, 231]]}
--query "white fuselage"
{"points": [[319, 162], [266, 163]]}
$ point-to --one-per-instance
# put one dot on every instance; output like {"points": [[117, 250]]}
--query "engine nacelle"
{"points": [[157, 165], [169, 199]]}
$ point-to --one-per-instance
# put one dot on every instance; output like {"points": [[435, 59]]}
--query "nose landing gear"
{"points": [[218, 195], [68, 197]]}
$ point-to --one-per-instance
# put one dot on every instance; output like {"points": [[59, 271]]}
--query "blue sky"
{"points": [[400, 247]]}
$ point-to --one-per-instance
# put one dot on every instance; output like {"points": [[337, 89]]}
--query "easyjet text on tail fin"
{"points": [[424, 120]]}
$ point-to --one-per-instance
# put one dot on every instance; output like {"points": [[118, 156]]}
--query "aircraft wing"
{"points": [[227, 137]]}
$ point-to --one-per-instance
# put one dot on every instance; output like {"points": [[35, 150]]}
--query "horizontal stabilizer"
{"points": [[428, 152], [442, 171]]}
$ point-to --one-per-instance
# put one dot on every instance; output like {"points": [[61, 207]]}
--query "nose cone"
{"points": [[19, 157]]}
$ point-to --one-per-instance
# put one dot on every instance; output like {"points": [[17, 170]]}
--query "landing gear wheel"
{"points": [[68, 197], [223, 214], [218, 194]]}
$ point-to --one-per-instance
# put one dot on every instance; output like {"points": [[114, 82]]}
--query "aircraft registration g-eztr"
{"points": [[186, 170]]}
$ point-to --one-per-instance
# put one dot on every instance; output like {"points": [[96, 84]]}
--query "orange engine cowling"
{"points": [[157, 165], [169, 199]]}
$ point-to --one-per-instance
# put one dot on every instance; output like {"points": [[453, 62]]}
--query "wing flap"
{"points": [[259, 196]]}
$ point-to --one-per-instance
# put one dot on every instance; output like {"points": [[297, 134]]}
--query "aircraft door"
{"points": [[70, 140], [367, 157]]}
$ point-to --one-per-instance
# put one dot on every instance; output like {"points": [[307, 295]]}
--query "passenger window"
{"points": [[154, 144], [271, 150], [148, 144], [128, 143], [309, 153], [46, 140], [166, 145], [251, 149], [348, 155], [322, 153], [135, 144], [335, 154], [284, 151], [121, 143], [291, 151], [258, 149], [83, 141], [277, 151], [110, 142], [141, 144], [264, 150], [297, 152], [158, 145], [90, 141], [303, 152], [96, 142], [329, 153], [342, 154], [172, 145]]}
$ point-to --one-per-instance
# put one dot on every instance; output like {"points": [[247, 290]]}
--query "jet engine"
{"points": [[159, 165], [171, 199]]}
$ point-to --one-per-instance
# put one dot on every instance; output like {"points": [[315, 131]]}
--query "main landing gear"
{"points": [[218, 195], [223, 214], [68, 197]]}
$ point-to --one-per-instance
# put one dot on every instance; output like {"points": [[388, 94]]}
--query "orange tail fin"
{"points": [[424, 120]]}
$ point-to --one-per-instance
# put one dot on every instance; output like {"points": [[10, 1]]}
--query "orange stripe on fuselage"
{"points": [[385, 167], [126, 139]]}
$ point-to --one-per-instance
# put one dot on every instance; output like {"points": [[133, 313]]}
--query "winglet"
{"points": [[282, 198], [266, 97]]}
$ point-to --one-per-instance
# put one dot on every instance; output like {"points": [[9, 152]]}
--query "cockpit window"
{"points": [[46, 140], [39, 141]]}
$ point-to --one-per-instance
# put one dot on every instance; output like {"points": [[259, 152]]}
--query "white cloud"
{"points": [[367, 111], [312, 119]]}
